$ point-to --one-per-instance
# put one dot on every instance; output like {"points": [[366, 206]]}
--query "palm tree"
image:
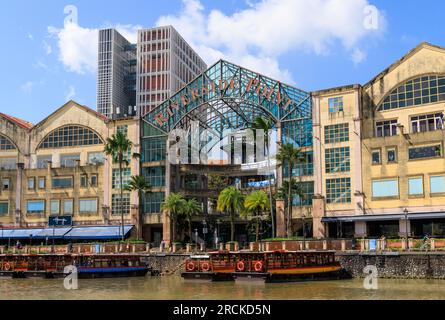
{"points": [[174, 205], [266, 124], [117, 147], [231, 201], [139, 184], [192, 207], [291, 156], [255, 204]]}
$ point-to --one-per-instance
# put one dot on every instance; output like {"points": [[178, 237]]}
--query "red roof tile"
{"points": [[21, 123]]}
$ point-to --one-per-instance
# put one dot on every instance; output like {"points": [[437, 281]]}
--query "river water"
{"points": [[174, 288]]}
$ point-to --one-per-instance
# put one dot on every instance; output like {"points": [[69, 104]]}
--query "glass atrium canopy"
{"points": [[227, 96]]}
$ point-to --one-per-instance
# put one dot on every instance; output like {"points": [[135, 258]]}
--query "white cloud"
{"points": [[30, 36], [257, 36], [71, 93], [358, 56], [78, 46], [48, 49], [29, 86]]}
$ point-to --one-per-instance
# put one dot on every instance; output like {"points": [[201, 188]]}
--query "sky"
{"points": [[49, 51]]}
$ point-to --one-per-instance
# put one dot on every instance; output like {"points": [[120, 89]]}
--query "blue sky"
{"points": [[36, 80]]}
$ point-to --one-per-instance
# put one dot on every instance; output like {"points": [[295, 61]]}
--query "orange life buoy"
{"points": [[240, 266], [205, 266], [258, 266], [190, 266], [7, 266]]}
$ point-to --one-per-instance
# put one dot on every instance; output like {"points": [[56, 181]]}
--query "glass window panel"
{"points": [[385, 188], [415, 186], [4, 208], [55, 207], [70, 136], [88, 206], [62, 182], [6, 144], [425, 152], [437, 184], [35, 206], [68, 206]]}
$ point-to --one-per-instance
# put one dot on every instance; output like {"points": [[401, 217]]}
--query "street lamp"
{"points": [[405, 212], [204, 231]]}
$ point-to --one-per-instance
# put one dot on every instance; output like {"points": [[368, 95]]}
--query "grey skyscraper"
{"points": [[116, 82], [145, 74]]}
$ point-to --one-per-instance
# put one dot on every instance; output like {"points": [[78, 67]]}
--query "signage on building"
{"points": [[224, 88], [60, 221]]}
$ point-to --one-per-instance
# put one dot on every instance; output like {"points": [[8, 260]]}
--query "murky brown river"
{"points": [[172, 288]]}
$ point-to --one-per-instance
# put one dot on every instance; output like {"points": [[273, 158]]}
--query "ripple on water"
{"points": [[174, 288]]}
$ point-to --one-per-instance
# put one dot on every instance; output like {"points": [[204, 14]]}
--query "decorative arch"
{"points": [[229, 96], [415, 92], [6, 144], [70, 136]]}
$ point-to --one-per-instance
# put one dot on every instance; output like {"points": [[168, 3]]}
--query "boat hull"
{"points": [[207, 276], [82, 274], [279, 277]]}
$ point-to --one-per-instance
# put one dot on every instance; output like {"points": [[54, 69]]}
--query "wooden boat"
{"points": [[88, 266], [216, 266], [287, 266]]}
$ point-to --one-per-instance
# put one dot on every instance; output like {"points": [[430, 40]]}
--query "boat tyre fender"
{"points": [[205, 267], [258, 266], [240, 266], [190, 266]]}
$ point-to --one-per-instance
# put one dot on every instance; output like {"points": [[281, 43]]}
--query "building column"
{"points": [[166, 222], [281, 221], [280, 208], [404, 228], [107, 190], [357, 177], [361, 230], [318, 212], [18, 196]]}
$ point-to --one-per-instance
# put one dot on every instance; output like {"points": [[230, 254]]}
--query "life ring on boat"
{"points": [[240, 266], [190, 266], [258, 266], [7, 266], [205, 266]]}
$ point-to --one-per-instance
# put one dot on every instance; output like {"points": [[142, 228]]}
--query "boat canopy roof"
{"points": [[72, 233]]}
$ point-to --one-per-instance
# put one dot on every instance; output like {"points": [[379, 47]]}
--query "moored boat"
{"points": [[87, 266], [216, 266], [288, 266]]}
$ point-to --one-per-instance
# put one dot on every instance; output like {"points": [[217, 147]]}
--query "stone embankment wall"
{"points": [[395, 265], [168, 264]]}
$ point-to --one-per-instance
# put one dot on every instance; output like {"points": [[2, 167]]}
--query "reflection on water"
{"points": [[173, 288]]}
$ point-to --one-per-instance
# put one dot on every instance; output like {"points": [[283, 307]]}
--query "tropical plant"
{"points": [[255, 204], [290, 156], [231, 200], [117, 147], [174, 205], [266, 124], [139, 184], [191, 208]]}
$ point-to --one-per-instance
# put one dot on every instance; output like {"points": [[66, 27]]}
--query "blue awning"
{"points": [[57, 233], [75, 233], [97, 233], [386, 217]]}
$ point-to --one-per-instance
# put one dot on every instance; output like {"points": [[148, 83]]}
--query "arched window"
{"points": [[70, 136], [6, 144], [423, 90]]}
